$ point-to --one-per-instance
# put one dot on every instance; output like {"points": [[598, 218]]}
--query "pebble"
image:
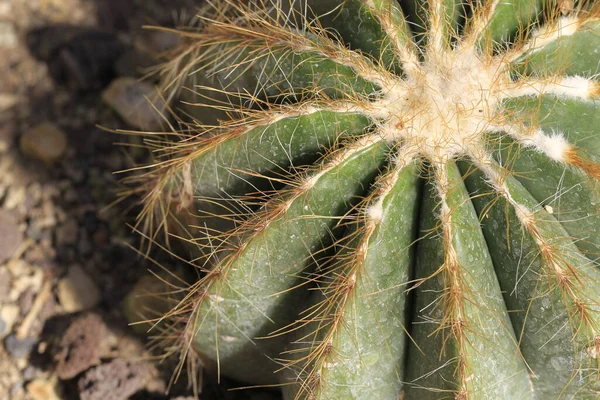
{"points": [[44, 389], [7, 101], [24, 282], [137, 103], [45, 142], [15, 197], [6, 9], [19, 268], [10, 236], [118, 380], [82, 346], [34, 232], [77, 291], [8, 35], [19, 348], [8, 316]]}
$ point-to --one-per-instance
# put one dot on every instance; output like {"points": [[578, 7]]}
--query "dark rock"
{"points": [[33, 231], [81, 346], [116, 380], [77, 57]]}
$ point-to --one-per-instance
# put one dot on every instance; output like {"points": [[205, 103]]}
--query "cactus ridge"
{"points": [[418, 237]]}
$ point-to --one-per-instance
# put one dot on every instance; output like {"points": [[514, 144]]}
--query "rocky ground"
{"points": [[69, 70]]}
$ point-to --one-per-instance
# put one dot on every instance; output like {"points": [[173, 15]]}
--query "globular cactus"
{"points": [[398, 200]]}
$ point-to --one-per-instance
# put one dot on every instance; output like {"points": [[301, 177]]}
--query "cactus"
{"points": [[398, 200]]}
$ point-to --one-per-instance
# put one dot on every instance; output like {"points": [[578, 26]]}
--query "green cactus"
{"points": [[398, 200]]}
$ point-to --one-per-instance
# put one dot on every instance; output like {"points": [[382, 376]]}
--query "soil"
{"points": [[67, 253]]}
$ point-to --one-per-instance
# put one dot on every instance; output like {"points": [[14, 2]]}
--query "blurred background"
{"points": [[70, 70]]}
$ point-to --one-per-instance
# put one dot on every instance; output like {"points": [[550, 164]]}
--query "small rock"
{"points": [[117, 380], [138, 103], [10, 377], [11, 237], [25, 300], [31, 372], [15, 197], [81, 346], [6, 9], [44, 389], [77, 291], [40, 253], [19, 268], [19, 348], [22, 283], [8, 316], [79, 57], [7, 101], [45, 142], [8, 35], [34, 232]]}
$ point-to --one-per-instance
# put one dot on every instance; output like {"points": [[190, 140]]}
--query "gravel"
{"points": [[66, 264]]}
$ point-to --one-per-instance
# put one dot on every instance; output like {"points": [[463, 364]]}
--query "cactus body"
{"points": [[410, 192]]}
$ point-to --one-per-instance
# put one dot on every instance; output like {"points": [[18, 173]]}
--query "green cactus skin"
{"points": [[386, 207]]}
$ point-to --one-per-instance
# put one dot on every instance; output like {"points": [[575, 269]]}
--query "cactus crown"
{"points": [[447, 229]]}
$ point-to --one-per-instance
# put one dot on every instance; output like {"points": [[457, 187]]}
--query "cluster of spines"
{"points": [[253, 30]]}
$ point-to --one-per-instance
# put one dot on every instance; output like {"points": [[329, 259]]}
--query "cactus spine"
{"points": [[410, 193]]}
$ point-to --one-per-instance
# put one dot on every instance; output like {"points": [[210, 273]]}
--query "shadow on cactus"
{"points": [[397, 200]]}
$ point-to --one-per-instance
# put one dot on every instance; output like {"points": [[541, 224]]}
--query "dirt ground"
{"points": [[66, 259]]}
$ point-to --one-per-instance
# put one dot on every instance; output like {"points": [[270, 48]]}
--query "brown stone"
{"points": [[81, 346], [117, 380], [45, 142]]}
